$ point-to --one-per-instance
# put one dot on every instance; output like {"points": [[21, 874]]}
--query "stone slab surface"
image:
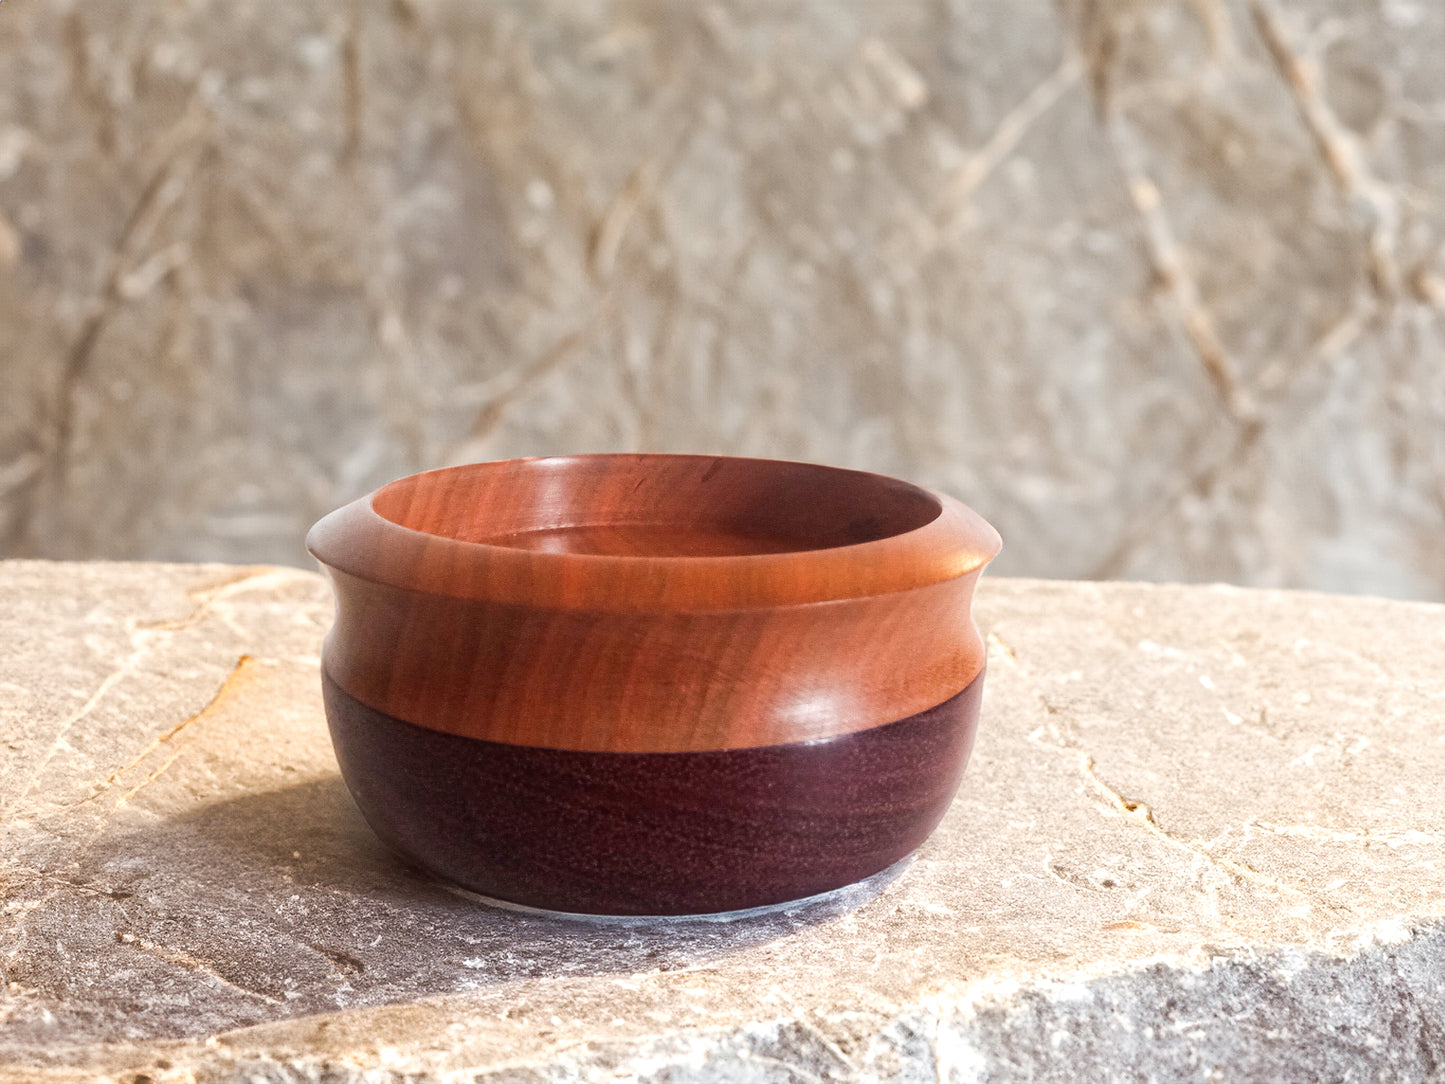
{"points": [[1202, 837]]}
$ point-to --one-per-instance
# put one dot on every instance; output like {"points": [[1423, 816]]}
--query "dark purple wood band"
{"points": [[653, 833]]}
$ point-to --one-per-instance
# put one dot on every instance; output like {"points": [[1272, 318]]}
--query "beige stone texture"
{"points": [[1201, 837], [1156, 286]]}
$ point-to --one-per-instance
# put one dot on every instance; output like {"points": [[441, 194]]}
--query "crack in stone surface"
{"points": [[1409, 838], [206, 598], [108, 683], [228, 687], [1139, 813], [192, 963]]}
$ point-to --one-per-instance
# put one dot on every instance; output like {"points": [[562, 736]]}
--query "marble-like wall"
{"points": [[1159, 287]]}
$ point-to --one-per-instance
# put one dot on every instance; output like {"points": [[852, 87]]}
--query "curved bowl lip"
{"points": [[360, 542]]}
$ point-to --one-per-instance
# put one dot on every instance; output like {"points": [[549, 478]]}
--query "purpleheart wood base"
{"points": [[653, 833]]}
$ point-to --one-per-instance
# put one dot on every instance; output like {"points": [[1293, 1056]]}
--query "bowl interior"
{"points": [[657, 505]]}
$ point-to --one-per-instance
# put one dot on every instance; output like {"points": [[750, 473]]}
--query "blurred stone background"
{"points": [[1158, 287]]}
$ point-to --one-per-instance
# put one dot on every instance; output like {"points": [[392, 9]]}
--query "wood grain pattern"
{"points": [[654, 833], [652, 603]]}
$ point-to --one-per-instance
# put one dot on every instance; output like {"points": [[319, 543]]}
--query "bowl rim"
{"points": [[357, 540]]}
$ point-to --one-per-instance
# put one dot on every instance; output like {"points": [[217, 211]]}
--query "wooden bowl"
{"points": [[653, 684]]}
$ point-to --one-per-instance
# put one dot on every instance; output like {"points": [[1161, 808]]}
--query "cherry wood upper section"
{"points": [[652, 603], [653, 532]]}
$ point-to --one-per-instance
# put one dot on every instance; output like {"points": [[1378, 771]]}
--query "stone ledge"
{"points": [[1202, 834]]}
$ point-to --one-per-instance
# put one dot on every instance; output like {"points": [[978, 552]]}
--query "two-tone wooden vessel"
{"points": [[653, 684]]}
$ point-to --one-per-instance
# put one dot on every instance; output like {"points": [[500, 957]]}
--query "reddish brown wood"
{"points": [[652, 603]]}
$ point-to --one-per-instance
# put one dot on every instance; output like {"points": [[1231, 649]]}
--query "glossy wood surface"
{"points": [[847, 534], [652, 603], [646, 540], [654, 833]]}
